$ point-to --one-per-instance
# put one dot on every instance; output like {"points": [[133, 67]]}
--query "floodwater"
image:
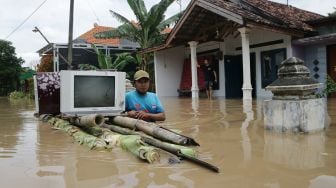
{"points": [[230, 133]]}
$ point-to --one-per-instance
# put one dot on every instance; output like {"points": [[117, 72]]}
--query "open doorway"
{"points": [[234, 75]]}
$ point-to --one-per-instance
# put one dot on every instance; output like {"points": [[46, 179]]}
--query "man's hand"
{"points": [[132, 114], [139, 115], [143, 115]]}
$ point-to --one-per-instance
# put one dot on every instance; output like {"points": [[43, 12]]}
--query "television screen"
{"points": [[94, 91]]}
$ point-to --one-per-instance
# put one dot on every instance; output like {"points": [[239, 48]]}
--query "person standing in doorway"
{"points": [[210, 77], [141, 104]]}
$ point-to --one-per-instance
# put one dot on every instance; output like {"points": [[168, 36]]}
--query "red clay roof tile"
{"points": [[89, 36]]}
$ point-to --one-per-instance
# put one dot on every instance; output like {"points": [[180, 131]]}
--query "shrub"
{"points": [[330, 87], [17, 95]]}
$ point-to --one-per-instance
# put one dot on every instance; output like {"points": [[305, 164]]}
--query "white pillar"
{"points": [[194, 84], [222, 88], [247, 87], [55, 58], [246, 143]]}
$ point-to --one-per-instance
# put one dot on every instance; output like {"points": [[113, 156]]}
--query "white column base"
{"points": [[194, 93], [194, 79], [247, 93]]}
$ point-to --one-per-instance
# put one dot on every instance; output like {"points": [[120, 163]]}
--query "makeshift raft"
{"points": [[140, 138]]}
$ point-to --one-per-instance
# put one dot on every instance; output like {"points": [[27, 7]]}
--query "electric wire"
{"points": [[94, 13], [24, 21]]}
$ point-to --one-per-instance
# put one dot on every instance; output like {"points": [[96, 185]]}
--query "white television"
{"points": [[90, 92]]}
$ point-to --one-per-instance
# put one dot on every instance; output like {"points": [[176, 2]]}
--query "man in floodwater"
{"points": [[141, 104], [210, 77]]}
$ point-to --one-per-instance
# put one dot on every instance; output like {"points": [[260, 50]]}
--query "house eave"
{"points": [[321, 39], [286, 31]]}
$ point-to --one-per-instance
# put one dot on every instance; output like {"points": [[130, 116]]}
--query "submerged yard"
{"points": [[230, 133]]}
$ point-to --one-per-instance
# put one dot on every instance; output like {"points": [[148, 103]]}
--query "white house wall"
{"points": [[169, 62], [260, 36], [168, 70], [311, 53], [298, 51], [319, 53]]}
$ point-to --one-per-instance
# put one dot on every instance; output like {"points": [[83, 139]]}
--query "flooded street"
{"points": [[230, 133]]}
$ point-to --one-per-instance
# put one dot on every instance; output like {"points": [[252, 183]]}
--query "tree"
{"points": [[46, 64], [332, 14], [122, 62], [10, 68], [128, 63], [147, 29]]}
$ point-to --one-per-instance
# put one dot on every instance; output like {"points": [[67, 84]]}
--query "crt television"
{"points": [[89, 92]]}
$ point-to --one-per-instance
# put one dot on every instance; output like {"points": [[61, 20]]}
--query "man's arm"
{"points": [[146, 115], [215, 75]]}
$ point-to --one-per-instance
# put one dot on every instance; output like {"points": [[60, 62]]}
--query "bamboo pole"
{"points": [[91, 120], [184, 153], [174, 150], [125, 131], [108, 140], [89, 123], [135, 142], [154, 130]]}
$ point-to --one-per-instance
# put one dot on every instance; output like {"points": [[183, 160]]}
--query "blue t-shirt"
{"points": [[148, 102]]}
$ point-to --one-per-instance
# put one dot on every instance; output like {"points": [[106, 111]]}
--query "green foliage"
{"points": [[26, 73], [105, 62], [17, 95], [10, 68], [46, 64], [30, 90], [124, 62], [128, 63], [332, 14], [146, 31], [87, 67], [330, 87], [26, 90]]}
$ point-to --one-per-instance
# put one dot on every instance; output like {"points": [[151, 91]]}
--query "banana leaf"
{"points": [[80, 136]]}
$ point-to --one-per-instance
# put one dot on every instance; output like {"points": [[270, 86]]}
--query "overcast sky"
{"points": [[52, 19]]}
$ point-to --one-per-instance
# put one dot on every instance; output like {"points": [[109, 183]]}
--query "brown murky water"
{"points": [[231, 136]]}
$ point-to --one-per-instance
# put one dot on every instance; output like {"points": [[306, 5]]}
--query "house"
{"points": [[246, 40], [319, 50], [82, 49]]}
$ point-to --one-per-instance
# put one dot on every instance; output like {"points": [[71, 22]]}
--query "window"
{"points": [[270, 63]]}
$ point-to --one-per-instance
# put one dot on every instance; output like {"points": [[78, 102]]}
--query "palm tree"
{"points": [[147, 29]]}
